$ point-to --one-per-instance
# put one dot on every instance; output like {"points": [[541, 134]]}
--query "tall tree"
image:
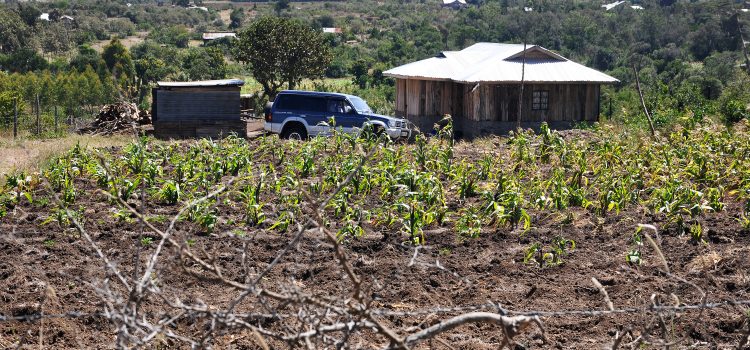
{"points": [[237, 16], [281, 50], [120, 64]]}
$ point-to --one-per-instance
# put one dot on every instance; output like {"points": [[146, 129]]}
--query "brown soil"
{"points": [[45, 268]]}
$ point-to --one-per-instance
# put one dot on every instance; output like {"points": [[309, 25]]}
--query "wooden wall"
{"points": [[427, 98], [419, 99], [566, 102]]}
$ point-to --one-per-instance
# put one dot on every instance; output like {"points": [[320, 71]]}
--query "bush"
{"points": [[732, 111]]}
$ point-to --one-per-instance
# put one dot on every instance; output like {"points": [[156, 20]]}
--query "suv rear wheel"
{"points": [[294, 131]]}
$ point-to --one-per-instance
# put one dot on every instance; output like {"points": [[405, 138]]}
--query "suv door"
{"points": [[313, 110], [346, 117]]}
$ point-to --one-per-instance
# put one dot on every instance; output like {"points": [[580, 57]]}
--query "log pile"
{"points": [[116, 118]]}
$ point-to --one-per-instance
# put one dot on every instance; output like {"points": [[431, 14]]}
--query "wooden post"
{"points": [[520, 95], [38, 129], [610, 107], [15, 118], [55, 118], [643, 102]]}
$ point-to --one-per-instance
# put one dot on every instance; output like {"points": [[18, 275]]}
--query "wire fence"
{"points": [[22, 116]]}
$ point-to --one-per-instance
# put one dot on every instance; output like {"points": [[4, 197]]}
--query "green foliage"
{"points": [[177, 36], [204, 64], [732, 111], [281, 50], [22, 61]]}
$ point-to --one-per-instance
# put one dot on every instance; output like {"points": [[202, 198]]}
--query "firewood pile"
{"points": [[116, 118]]}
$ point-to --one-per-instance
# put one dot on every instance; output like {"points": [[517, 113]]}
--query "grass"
{"points": [[31, 154]]}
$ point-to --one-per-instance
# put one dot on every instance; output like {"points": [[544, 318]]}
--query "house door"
{"points": [[510, 104]]}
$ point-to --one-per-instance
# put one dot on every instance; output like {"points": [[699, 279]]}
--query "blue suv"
{"points": [[302, 114]]}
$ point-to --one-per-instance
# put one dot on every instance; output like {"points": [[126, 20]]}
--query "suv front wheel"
{"points": [[294, 131]]}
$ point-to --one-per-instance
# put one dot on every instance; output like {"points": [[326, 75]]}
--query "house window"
{"points": [[540, 100]]}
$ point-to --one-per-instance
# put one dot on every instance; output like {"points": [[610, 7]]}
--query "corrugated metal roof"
{"points": [[499, 63], [218, 35], [203, 83]]}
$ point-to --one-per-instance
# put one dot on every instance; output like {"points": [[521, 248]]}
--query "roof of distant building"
{"points": [[218, 35]]}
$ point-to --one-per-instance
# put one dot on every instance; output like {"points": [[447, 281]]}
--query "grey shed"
{"points": [[208, 108]]}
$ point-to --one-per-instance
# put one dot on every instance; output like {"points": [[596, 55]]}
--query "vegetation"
{"points": [[280, 50], [412, 189], [687, 53]]}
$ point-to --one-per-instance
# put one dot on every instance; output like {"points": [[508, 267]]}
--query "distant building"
{"points": [[612, 5], [333, 30], [207, 37], [479, 87], [193, 7], [454, 4]]}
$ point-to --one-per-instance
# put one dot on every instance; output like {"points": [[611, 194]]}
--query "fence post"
{"points": [[55, 118], [15, 118], [38, 130]]}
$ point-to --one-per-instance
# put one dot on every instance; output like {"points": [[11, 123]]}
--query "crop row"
{"points": [[474, 188]]}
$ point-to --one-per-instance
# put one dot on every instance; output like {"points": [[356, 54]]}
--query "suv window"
{"points": [[337, 106], [301, 103]]}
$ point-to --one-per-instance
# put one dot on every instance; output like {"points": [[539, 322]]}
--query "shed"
{"points": [[208, 108], [479, 86]]}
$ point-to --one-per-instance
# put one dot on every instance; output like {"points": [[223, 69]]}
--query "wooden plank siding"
{"points": [[566, 102], [425, 101], [495, 102]]}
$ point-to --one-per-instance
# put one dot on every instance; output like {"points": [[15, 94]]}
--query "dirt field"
{"points": [[45, 268]]}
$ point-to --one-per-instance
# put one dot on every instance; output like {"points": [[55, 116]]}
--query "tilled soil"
{"points": [[45, 269], [52, 270]]}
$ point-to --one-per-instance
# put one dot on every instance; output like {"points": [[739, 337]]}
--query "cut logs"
{"points": [[116, 118]]}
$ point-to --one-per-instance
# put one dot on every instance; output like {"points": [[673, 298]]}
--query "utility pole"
{"points": [[520, 95], [38, 129], [15, 118]]}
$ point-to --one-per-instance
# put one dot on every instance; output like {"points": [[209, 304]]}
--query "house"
{"points": [[612, 5], [479, 86], [332, 30], [208, 108], [207, 37], [454, 4]]}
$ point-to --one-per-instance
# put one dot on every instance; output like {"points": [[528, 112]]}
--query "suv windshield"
{"points": [[360, 105]]}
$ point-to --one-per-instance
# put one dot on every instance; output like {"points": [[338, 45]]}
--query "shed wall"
{"points": [[197, 105]]}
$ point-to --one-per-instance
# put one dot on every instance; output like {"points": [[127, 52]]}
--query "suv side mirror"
{"points": [[349, 110]]}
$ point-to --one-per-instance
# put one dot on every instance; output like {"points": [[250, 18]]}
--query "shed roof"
{"points": [[499, 63], [203, 83]]}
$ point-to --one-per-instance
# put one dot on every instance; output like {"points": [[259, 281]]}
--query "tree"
{"points": [[237, 16], [22, 61], [359, 71], [280, 6], [29, 13], [119, 62], [204, 64], [14, 33], [281, 50]]}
